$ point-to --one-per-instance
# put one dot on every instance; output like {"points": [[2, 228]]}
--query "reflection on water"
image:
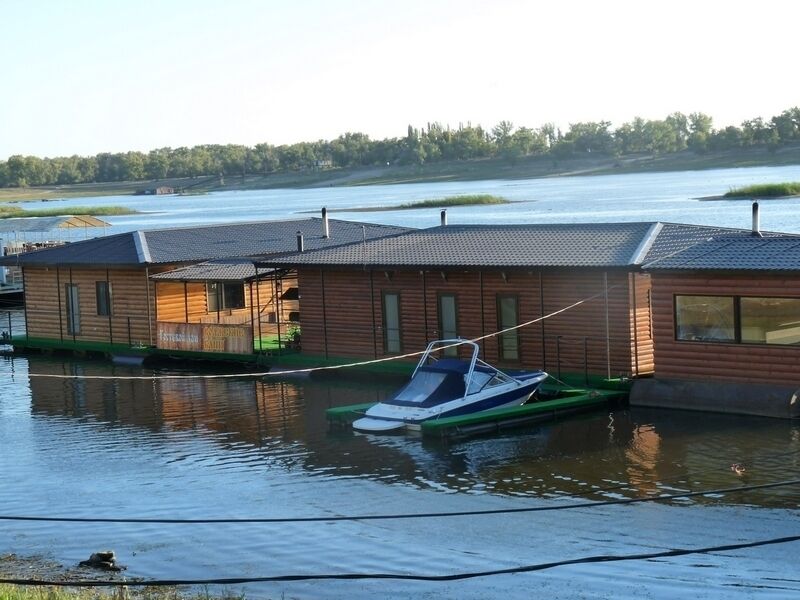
{"points": [[198, 448], [262, 424]]}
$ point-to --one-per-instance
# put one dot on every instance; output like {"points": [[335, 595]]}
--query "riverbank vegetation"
{"points": [[466, 200], [505, 143], [766, 190], [8, 211], [13, 592]]}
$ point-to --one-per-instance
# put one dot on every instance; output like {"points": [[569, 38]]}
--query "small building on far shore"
{"points": [[160, 190]]}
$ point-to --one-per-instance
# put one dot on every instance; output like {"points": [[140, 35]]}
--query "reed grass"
{"points": [[8, 211], [766, 190], [465, 200]]}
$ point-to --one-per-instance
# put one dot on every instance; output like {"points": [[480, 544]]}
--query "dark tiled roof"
{"points": [[745, 252], [234, 269], [598, 245], [580, 245], [195, 244]]}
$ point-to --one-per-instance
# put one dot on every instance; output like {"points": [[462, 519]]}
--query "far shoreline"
{"points": [[454, 171]]}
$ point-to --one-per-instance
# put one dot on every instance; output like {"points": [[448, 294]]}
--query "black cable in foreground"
{"points": [[408, 577], [459, 513]]}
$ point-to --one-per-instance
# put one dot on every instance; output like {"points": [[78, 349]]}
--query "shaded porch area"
{"points": [[227, 306]]}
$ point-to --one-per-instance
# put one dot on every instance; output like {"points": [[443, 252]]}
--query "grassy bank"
{"points": [[466, 200], [13, 592], [7, 212], [766, 190]]}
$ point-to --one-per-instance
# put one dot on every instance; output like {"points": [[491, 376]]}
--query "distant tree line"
{"points": [[434, 143]]}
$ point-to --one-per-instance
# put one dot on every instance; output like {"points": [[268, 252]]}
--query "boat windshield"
{"points": [[484, 379], [422, 387]]}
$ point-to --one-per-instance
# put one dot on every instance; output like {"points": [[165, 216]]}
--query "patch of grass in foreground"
{"points": [[7, 212], [14, 592], [766, 190], [467, 200]]}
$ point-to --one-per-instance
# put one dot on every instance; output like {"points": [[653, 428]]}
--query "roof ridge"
{"points": [[142, 249], [647, 243]]}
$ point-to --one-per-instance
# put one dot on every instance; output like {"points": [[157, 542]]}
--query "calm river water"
{"points": [[635, 197], [261, 448]]}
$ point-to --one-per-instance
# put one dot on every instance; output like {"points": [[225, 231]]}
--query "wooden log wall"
{"points": [[642, 348], [175, 300], [338, 307], [130, 293], [728, 362]]}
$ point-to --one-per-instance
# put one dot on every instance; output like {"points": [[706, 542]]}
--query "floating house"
{"points": [[726, 326], [694, 314], [99, 292], [699, 317]]}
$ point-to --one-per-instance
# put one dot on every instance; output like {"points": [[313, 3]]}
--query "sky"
{"points": [[89, 76]]}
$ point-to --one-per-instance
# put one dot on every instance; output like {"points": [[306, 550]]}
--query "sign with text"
{"points": [[205, 337]]}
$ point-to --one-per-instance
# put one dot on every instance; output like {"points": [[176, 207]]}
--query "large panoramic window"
{"points": [[448, 321], [73, 307], [225, 296], [705, 318], [103, 294], [391, 323], [508, 316], [770, 320], [749, 320]]}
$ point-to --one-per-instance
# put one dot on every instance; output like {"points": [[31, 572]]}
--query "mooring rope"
{"points": [[362, 363]]}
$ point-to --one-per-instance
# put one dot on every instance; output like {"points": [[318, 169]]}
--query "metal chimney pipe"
{"points": [[326, 230], [756, 221], [299, 241], [444, 217]]}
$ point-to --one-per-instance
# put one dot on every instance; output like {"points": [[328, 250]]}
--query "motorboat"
{"points": [[447, 386]]}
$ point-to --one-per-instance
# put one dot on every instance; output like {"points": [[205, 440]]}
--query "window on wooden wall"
{"points": [[102, 290], [508, 316], [770, 320], [73, 306], [448, 321], [224, 296], [749, 320], [391, 323], [705, 318]]}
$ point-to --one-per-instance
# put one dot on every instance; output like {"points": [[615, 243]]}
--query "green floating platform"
{"points": [[567, 401]]}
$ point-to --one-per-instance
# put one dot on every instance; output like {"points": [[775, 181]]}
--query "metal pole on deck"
{"points": [[608, 338], [558, 356], [277, 305], [258, 301], [586, 361]]}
